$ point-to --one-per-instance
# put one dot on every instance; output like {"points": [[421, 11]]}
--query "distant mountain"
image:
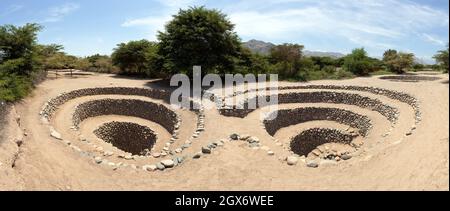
{"points": [[257, 46], [261, 47], [323, 54]]}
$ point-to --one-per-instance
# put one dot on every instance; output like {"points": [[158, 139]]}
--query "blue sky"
{"points": [[87, 27]]}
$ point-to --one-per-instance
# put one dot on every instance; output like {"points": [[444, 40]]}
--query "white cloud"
{"points": [[374, 24], [57, 13], [433, 39], [153, 24], [389, 18], [147, 21], [11, 9]]}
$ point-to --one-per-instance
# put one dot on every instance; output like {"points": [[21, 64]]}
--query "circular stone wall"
{"points": [[129, 137], [126, 107], [395, 95], [310, 139], [52, 105], [321, 97], [285, 118], [409, 78]]}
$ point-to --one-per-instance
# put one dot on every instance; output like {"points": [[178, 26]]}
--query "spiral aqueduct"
{"points": [[127, 127]]}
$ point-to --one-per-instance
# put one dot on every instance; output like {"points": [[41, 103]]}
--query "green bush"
{"points": [[324, 74], [14, 87], [329, 69], [19, 60], [18, 49], [98, 63], [418, 67], [442, 59], [398, 62], [342, 74], [359, 63], [12, 66], [136, 58]]}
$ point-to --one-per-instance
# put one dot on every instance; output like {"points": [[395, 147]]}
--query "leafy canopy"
{"points": [[135, 57], [17, 48], [442, 59], [358, 62], [199, 36], [398, 61]]}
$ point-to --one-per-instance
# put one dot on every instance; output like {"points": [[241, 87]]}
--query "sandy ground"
{"points": [[396, 162]]}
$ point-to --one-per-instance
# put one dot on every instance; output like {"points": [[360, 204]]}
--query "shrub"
{"points": [[19, 60], [358, 62], [442, 59], [99, 63], [397, 62], [14, 87], [136, 58], [17, 48]]}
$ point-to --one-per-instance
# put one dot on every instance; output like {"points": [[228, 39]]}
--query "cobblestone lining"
{"points": [[308, 140], [126, 107], [52, 105], [395, 95], [129, 137], [389, 112], [290, 117], [409, 78]]}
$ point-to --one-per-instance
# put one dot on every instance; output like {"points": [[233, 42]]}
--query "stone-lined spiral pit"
{"points": [[285, 118], [394, 95], [127, 107], [308, 140], [409, 78], [389, 112], [134, 141], [52, 105], [129, 137]]}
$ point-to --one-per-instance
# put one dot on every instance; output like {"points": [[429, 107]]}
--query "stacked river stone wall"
{"points": [[52, 105], [395, 95], [322, 97], [409, 78], [285, 118], [126, 107], [129, 137], [309, 140]]}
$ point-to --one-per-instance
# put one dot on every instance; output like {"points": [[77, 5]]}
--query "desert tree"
{"points": [[398, 62], [135, 57], [358, 62], [287, 58], [199, 36], [442, 59], [18, 48]]}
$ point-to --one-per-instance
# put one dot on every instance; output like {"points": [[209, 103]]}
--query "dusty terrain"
{"points": [[390, 158]]}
